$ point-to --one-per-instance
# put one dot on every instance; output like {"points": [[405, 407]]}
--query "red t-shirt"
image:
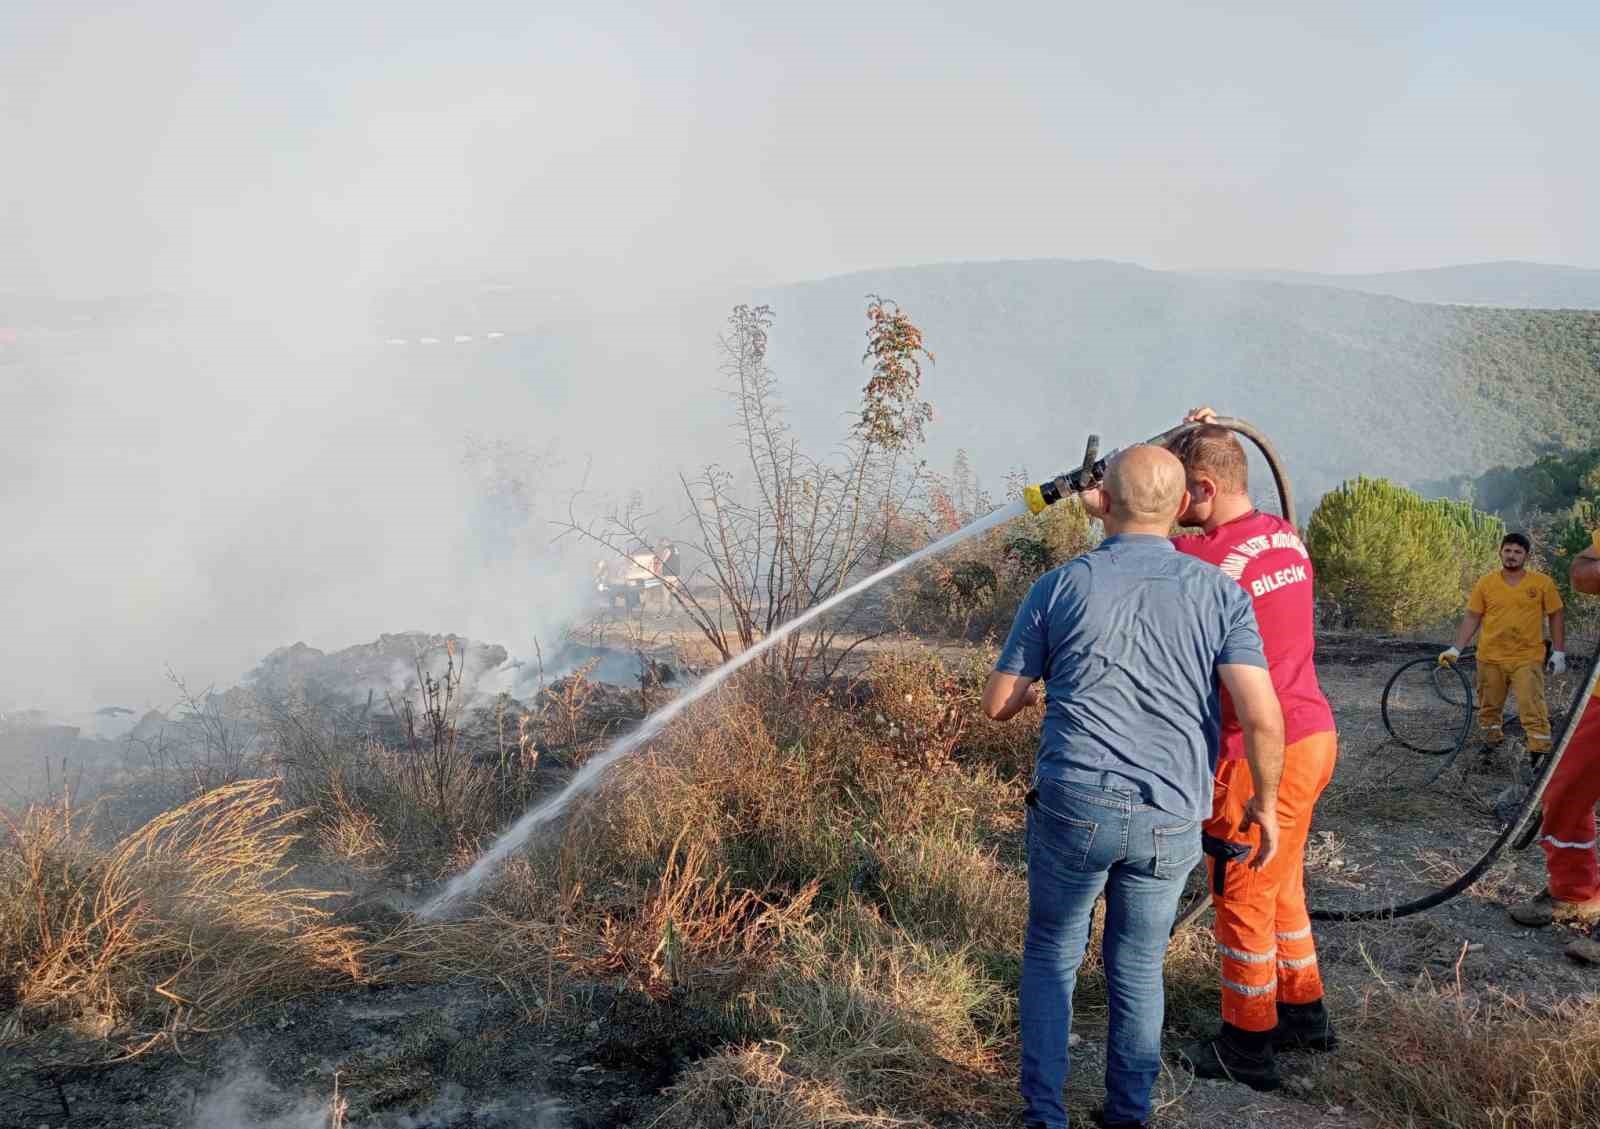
{"points": [[1268, 559]]}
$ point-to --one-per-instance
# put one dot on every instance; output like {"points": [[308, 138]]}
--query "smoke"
{"points": [[248, 1100], [249, 463], [198, 491]]}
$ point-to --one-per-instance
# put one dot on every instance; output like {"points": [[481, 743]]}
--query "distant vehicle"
{"points": [[627, 579]]}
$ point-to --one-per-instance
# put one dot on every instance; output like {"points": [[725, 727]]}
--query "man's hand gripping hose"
{"points": [[1092, 472]]}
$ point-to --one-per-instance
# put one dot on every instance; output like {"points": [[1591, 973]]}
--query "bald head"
{"points": [[1145, 488]]}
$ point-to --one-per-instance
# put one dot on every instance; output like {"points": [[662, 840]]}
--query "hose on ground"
{"points": [[1511, 832]]}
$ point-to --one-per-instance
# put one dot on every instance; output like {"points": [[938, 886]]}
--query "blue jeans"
{"points": [[1084, 838]]}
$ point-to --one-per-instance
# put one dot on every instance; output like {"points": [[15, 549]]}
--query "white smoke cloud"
{"points": [[204, 487]]}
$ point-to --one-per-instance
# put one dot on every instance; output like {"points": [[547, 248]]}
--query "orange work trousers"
{"points": [[1568, 832], [1263, 932]]}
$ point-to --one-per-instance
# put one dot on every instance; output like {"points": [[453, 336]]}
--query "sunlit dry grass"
{"points": [[184, 926], [1433, 1055]]}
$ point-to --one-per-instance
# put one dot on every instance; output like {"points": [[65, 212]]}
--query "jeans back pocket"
{"points": [[1056, 827], [1177, 849]]}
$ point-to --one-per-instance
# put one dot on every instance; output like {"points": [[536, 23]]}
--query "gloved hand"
{"points": [[1557, 663], [1449, 656]]}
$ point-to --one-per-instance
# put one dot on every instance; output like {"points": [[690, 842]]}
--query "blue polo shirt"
{"points": [[1127, 639]]}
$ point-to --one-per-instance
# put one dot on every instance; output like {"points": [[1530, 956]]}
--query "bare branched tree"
{"points": [[784, 531]]}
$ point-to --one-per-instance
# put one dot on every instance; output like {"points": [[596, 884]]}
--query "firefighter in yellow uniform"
{"points": [[1511, 605]]}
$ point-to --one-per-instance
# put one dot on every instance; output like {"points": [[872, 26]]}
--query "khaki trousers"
{"points": [[1526, 680]]}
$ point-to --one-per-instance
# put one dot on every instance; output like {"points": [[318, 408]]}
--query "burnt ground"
{"points": [[1380, 837], [435, 1057], [462, 1055]]}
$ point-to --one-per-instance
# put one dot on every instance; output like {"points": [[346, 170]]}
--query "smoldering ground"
{"points": [[247, 1099]]}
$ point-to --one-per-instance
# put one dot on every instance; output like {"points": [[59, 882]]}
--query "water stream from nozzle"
{"points": [[513, 837]]}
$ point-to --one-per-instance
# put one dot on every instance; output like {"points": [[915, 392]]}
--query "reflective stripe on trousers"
{"points": [[1263, 931], [1568, 831]]}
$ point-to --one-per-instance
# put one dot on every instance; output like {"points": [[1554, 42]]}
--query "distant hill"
{"points": [[1033, 355], [1533, 286]]}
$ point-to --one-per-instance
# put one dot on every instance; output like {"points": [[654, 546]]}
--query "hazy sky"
{"points": [[186, 145], [254, 473]]}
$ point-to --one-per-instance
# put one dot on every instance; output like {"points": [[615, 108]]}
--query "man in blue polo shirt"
{"points": [[1132, 641]]}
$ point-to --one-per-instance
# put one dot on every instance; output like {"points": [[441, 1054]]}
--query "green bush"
{"points": [[1389, 560], [1567, 535], [974, 590], [1555, 500]]}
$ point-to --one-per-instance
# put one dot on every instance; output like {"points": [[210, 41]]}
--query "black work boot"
{"points": [[1099, 1118], [1304, 1027], [1236, 1055]]}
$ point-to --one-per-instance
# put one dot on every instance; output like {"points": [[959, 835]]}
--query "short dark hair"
{"points": [[1217, 452], [1517, 539]]}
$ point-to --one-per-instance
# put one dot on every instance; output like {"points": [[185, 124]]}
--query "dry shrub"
{"points": [[719, 781], [374, 803], [921, 693], [564, 705], [1440, 1057], [952, 889], [861, 1027], [692, 926], [754, 1086], [181, 927], [351, 834], [973, 591]]}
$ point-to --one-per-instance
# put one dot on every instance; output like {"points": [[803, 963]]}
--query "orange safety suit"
{"points": [[1263, 930], [1568, 831]]}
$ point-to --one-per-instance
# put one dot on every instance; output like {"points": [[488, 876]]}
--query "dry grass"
{"points": [[823, 894], [181, 927], [351, 834], [842, 886], [1438, 1056], [956, 890], [692, 926], [752, 1086], [861, 1027]]}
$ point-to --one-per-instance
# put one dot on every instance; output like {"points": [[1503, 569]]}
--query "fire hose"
{"points": [[1518, 830]]}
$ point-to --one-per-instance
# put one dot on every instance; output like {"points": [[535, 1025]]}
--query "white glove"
{"points": [[1448, 657], [1557, 663]]}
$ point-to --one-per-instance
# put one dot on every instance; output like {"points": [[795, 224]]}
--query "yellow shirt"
{"points": [[1513, 618]]}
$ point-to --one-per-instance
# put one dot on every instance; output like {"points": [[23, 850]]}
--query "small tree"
{"points": [[786, 530], [1567, 537], [892, 414], [1389, 560]]}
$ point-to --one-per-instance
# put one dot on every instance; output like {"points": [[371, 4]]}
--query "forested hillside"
{"points": [[1033, 355]]}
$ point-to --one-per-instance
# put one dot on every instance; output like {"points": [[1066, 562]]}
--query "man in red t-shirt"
{"points": [[1271, 989]]}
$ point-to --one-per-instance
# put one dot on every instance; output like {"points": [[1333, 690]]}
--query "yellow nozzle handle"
{"points": [[1034, 497]]}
